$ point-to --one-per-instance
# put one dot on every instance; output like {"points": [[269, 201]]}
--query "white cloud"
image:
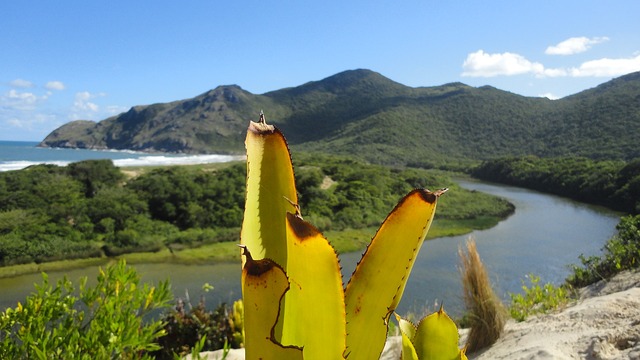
{"points": [[35, 113], [54, 85], [83, 107], [32, 122], [481, 64], [18, 100], [22, 96], [21, 83], [82, 102], [607, 67], [574, 45], [20, 110]]}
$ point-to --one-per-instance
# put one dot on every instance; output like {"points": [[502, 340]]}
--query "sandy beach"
{"points": [[603, 324]]}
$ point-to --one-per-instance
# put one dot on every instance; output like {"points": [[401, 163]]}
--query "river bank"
{"points": [[219, 252], [345, 241]]}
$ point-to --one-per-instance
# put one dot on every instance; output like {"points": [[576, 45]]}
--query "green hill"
{"points": [[362, 113]]}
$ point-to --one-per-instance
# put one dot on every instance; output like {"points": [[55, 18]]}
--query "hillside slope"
{"points": [[362, 113]]}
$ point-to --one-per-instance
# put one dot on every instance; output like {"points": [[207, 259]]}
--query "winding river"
{"points": [[544, 235]]}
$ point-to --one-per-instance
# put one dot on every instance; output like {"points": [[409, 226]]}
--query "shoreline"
{"points": [[22, 154]]}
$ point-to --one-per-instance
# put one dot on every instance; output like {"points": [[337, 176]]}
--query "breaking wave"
{"points": [[140, 160]]}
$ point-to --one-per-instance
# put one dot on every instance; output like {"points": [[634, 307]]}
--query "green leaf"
{"points": [[437, 337]]}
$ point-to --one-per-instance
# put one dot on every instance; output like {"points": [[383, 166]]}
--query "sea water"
{"points": [[16, 155]]}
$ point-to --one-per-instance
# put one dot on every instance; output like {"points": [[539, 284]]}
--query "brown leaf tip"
{"points": [[432, 196], [261, 127], [256, 267], [440, 191]]}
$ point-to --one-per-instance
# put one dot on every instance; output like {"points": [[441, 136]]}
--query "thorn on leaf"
{"points": [[296, 206]]}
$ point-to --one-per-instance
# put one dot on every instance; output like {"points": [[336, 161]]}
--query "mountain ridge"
{"points": [[360, 112]]}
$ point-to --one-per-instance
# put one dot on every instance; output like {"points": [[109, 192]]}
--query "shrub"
{"points": [[621, 252], [536, 298], [95, 174], [195, 236], [101, 322]]}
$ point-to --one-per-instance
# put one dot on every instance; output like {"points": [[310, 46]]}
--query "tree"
{"points": [[95, 174]]}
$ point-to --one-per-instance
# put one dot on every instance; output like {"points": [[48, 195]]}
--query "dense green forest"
{"points": [[91, 209], [363, 114], [615, 184]]}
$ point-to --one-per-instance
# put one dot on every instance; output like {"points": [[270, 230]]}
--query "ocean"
{"points": [[16, 155]]}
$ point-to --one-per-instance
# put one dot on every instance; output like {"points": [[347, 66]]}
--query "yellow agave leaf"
{"points": [[264, 283], [406, 326], [408, 351], [270, 192], [437, 338], [313, 314], [462, 355], [377, 284], [408, 331]]}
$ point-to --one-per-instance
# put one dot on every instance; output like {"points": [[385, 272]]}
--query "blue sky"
{"points": [[68, 60]]}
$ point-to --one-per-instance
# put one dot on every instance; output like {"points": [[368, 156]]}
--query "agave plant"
{"points": [[295, 303], [435, 337]]}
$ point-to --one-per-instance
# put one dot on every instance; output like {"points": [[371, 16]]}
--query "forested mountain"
{"points": [[362, 113]]}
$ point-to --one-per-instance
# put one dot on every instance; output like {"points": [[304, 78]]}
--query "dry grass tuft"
{"points": [[486, 313]]}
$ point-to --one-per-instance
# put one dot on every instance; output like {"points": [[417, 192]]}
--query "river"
{"points": [[544, 235]]}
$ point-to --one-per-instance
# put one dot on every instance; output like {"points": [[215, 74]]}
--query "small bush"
{"points": [[537, 299], [101, 322], [621, 252], [485, 313]]}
